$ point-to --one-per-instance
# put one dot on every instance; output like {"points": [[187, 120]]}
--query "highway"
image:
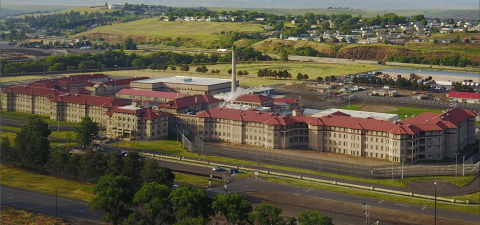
{"points": [[71, 209], [76, 210], [244, 185]]}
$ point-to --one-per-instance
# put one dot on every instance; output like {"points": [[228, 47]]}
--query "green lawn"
{"points": [[369, 194], [401, 111], [459, 180], [20, 78], [24, 116], [194, 180], [475, 197], [46, 184], [312, 69]]}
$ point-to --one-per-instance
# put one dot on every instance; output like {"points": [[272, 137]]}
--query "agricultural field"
{"points": [[186, 33], [312, 69], [66, 9]]}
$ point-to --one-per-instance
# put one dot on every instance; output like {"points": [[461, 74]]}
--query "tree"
{"points": [[319, 79], [92, 165], [185, 67], [114, 163], [192, 221], [152, 66], [233, 206], [132, 165], [138, 64], [424, 22], [128, 44], [152, 199], [333, 78], [152, 172], [86, 131], [8, 153], [305, 77], [191, 202], [229, 71], [266, 214], [32, 145], [245, 73], [240, 73], [73, 166], [114, 195], [173, 68], [283, 55], [58, 161], [314, 218], [162, 67], [56, 67], [299, 76]]}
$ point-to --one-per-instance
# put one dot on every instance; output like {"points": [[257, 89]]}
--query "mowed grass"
{"points": [[13, 216], [195, 180], [313, 70], [376, 195], [459, 180], [401, 111], [24, 116], [64, 141], [46, 184], [20, 78], [149, 29]]}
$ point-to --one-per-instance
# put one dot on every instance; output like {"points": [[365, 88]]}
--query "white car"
{"points": [[217, 168]]}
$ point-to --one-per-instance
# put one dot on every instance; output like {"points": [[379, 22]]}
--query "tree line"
{"points": [[274, 73], [113, 59], [448, 60], [155, 203], [31, 151]]}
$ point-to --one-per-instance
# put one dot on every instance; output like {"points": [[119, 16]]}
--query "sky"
{"points": [[293, 4]]}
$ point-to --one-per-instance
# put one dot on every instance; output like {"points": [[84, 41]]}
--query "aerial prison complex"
{"points": [[428, 136]]}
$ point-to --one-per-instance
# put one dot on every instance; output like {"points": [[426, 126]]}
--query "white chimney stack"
{"points": [[234, 71]]}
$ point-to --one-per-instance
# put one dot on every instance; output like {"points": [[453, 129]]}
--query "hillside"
{"points": [[374, 51], [187, 34]]}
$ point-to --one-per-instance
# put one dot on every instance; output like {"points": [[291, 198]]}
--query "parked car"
{"points": [[233, 171], [217, 168]]}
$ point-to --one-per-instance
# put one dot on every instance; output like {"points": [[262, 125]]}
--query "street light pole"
{"points": [[177, 130], [183, 138], [463, 169], [56, 201], [435, 183], [456, 163], [403, 159]]}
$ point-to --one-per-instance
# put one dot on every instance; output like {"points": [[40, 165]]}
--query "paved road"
{"points": [[251, 185], [43, 203]]}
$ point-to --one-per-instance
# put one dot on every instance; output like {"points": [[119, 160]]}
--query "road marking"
{"points": [[380, 202], [308, 190], [424, 208], [404, 205]]}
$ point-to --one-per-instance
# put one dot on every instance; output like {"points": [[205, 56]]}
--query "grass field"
{"points": [[82, 9], [401, 111], [45, 184], [20, 78], [312, 69], [12, 216], [197, 33], [24, 116]]}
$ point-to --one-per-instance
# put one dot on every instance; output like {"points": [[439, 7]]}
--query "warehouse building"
{"points": [[434, 75], [464, 97], [185, 85]]}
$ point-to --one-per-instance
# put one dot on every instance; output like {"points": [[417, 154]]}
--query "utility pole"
{"points": [[435, 183], [456, 163], [177, 130], [463, 169], [367, 213], [403, 159]]}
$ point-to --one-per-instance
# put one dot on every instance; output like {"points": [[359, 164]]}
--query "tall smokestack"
{"points": [[234, 71]]}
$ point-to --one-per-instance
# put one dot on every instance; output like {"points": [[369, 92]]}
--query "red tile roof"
{"points": [[147, 93], [253, 98], [285, 100], [188, 101], [466, 95], [410, 126], [147, 113], [66, 82], [35, 91], [106, 102]]}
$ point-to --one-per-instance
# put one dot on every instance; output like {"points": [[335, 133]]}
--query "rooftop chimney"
{"points": [[234, 70]]}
